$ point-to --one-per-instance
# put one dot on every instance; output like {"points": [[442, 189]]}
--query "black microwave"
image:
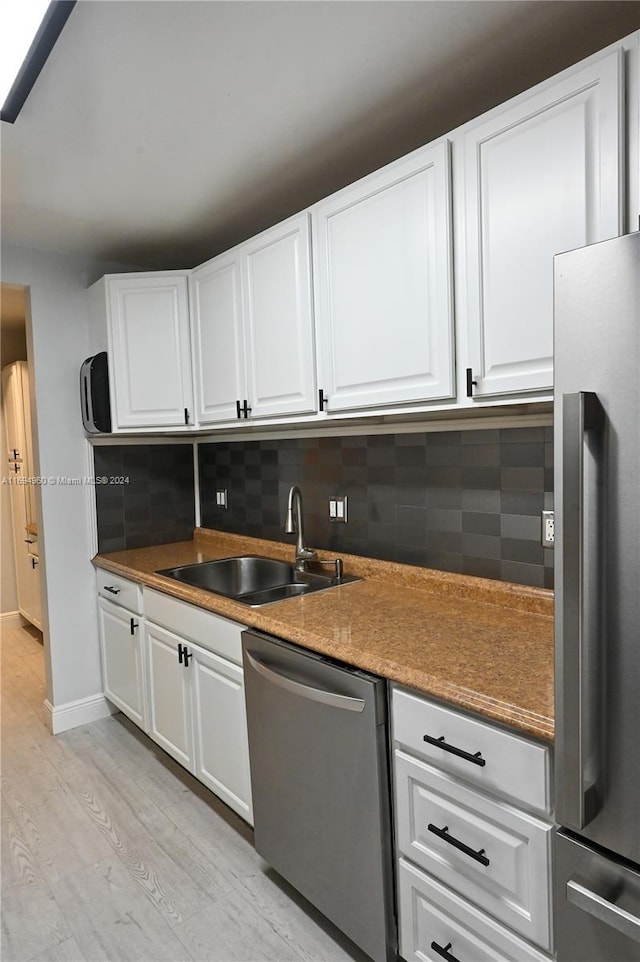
{"points": [[94, 394]]}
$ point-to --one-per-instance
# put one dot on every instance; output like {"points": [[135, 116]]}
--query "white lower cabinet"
{"points": [[169, 694], [435, 924], [220, 730], [196, 695], [122, 660], [473, 867], [176, 671]]}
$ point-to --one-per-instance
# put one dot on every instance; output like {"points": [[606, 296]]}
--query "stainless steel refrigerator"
{"points": [[597, 561]]}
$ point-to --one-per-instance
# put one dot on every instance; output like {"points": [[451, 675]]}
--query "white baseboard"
{"points": [[10, 619], [60, 718]]}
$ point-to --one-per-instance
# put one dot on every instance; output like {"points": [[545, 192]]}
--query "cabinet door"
{"points": [[216, 300], [122, 664], [169, 696], [540, 177], [279, 320], [33, 599], [150, 368], [382, 269], [220, 729]]}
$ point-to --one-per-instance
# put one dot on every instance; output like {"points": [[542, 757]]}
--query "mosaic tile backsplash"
{"points": [[463, 501], [153, 503]]}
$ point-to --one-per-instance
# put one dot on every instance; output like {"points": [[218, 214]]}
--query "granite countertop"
{"points": [[486, 646]]}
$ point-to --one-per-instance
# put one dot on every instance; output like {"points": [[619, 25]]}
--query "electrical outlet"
{"points": [[221, 499], [338, 509], [548, 529]]}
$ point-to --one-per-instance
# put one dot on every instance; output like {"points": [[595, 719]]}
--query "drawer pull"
{"points": [[443, 833], [444, 952], [477, 759], [114, 591]]}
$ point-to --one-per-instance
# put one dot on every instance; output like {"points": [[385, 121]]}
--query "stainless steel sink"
{"points": [[253, 580]]}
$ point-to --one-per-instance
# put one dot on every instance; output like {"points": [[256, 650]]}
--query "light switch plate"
{"points": [[338, 509]]}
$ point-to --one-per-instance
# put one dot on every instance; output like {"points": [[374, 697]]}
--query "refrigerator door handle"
{"points": [[577, 802], [305, 691], [607, 912]]}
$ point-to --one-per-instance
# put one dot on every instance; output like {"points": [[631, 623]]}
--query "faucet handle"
{"points": [[337, 563]]}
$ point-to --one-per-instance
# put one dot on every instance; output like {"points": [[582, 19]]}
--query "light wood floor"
{"points": [[110, 851]]}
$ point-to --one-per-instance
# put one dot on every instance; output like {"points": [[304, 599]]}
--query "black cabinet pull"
{"points": [[444, 952], [28, 540], [16, 454], [114, 591], [238, 409], [470, 382], [34, 562], [443, 833], [322, 400], [246, 410], [134, 625], [477, 759], [186, 415], [184, 655]]}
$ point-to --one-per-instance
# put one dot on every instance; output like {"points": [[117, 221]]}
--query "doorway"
{"points": [[20, 584]]}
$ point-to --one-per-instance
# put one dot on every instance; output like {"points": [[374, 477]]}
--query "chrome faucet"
{"points": [[293, 525]]}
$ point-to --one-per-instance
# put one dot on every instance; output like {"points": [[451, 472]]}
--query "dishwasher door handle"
{"points": [[305, 691]]}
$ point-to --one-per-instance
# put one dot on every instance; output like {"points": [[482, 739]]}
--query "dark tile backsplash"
{"points": [[153, 504], [464, 501]]}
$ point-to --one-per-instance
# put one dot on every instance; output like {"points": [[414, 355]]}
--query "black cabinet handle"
{"points": [[28, 540], [322, 400], [477, 759], [186, 415], [238, 409], [470, 382], [444, 951], [443, 833], [246, 410], [34, 562], [134, 625], [114, 591], [184, 655]]}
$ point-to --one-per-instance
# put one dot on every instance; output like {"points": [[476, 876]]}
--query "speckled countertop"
{"points": [[486, 646]]}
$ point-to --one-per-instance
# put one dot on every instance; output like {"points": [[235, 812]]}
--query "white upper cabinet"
{"points": [[537, 176], [382, 274], [218, 338], [147, 321], [253, 328], [279, 320]]}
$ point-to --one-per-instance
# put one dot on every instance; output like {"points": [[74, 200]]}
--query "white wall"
{"points": [[58, 342]]}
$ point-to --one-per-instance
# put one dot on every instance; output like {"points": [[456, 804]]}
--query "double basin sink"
{"points": [[253, 580]]}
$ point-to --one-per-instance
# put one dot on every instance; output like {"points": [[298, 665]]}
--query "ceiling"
{"points": [[161, 132]]}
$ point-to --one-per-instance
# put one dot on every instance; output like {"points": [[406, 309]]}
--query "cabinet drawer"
{"points": [[512, 765], [216, 634], [118, 589], [431, 913], [489, 852]]}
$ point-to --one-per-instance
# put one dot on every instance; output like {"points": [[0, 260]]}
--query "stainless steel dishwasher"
{"points": [[320, 785]]}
